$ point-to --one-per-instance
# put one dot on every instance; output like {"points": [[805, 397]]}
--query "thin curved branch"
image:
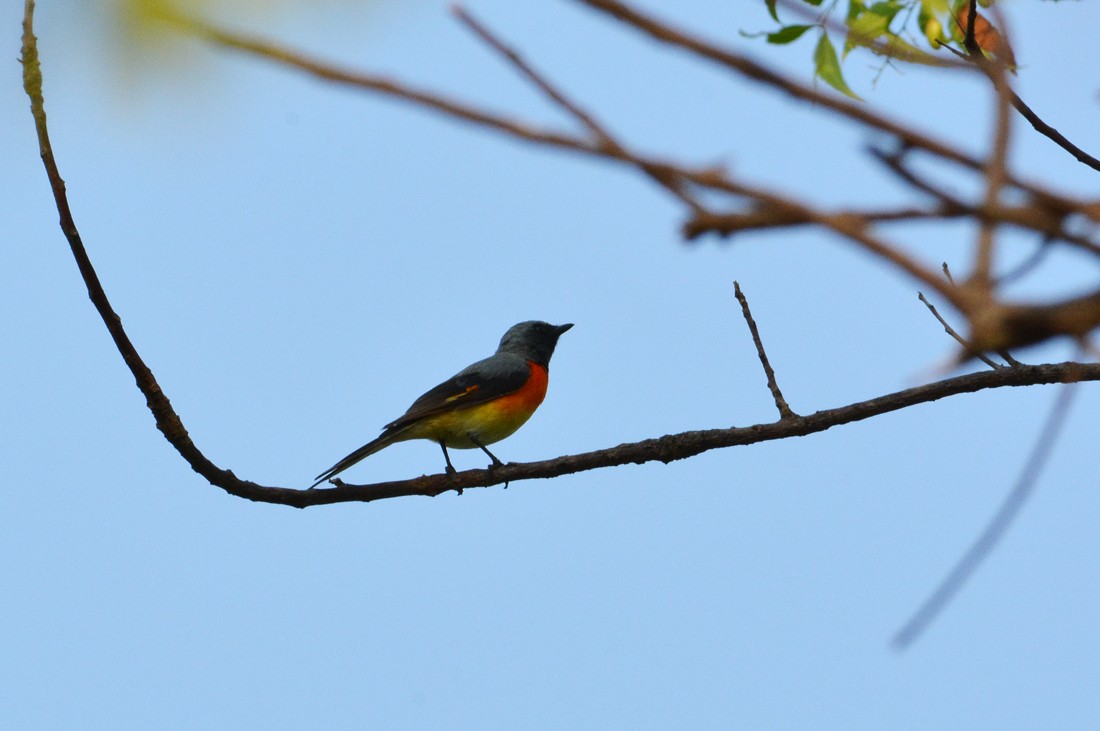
{"points": [[664, 449], [995, 530]]}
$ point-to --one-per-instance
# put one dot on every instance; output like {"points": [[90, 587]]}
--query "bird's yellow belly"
{"points": [[487, 423]]}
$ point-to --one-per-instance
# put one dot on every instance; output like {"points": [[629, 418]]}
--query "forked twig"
{"points": [[951, 331]]}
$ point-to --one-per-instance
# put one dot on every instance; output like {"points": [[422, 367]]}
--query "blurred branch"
{"points": [[757, 207], [603, 139], [1036, 215], [996, 168], [994, 532]]}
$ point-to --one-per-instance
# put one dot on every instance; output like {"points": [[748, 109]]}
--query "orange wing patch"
{"points": [[464, 394]]}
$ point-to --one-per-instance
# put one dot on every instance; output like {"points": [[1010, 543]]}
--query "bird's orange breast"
{"points": [[528, 397]]}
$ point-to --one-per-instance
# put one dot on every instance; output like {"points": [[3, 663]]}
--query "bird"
{"points": [[481, 404]]}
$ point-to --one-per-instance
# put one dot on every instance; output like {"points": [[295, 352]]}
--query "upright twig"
{"points": [[785, 411]]}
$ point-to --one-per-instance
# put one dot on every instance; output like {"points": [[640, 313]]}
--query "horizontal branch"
{"points": [[679, 446]]}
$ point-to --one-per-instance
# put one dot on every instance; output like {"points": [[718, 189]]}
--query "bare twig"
{"points": [[895, 162], [994, 532], [780, 403], [951, 331], [1051, 133]]}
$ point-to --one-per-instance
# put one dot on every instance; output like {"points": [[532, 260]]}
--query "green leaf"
{"points": [[815, 3], [887, 9], [827, 67], [868, 27], [894, 42], [788, 34], [771, 9], [935, 7]]}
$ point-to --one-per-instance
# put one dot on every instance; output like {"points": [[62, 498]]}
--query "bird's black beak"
{"points": [[562, 328]]}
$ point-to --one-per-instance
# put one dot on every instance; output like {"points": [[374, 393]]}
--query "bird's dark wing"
{"points": [[488, 379]]}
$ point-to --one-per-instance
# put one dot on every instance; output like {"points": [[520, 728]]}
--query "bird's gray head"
{"points": [[534, 340]]}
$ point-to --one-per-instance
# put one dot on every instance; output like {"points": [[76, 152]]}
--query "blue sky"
{"points": [[297, 262]]}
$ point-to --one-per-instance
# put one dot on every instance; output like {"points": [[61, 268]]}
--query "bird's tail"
{"points": [[384, 440]]}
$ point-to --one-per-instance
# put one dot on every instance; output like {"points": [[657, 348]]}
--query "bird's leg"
{"points": [[496, 462], [479, 445], [450, 467]]}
